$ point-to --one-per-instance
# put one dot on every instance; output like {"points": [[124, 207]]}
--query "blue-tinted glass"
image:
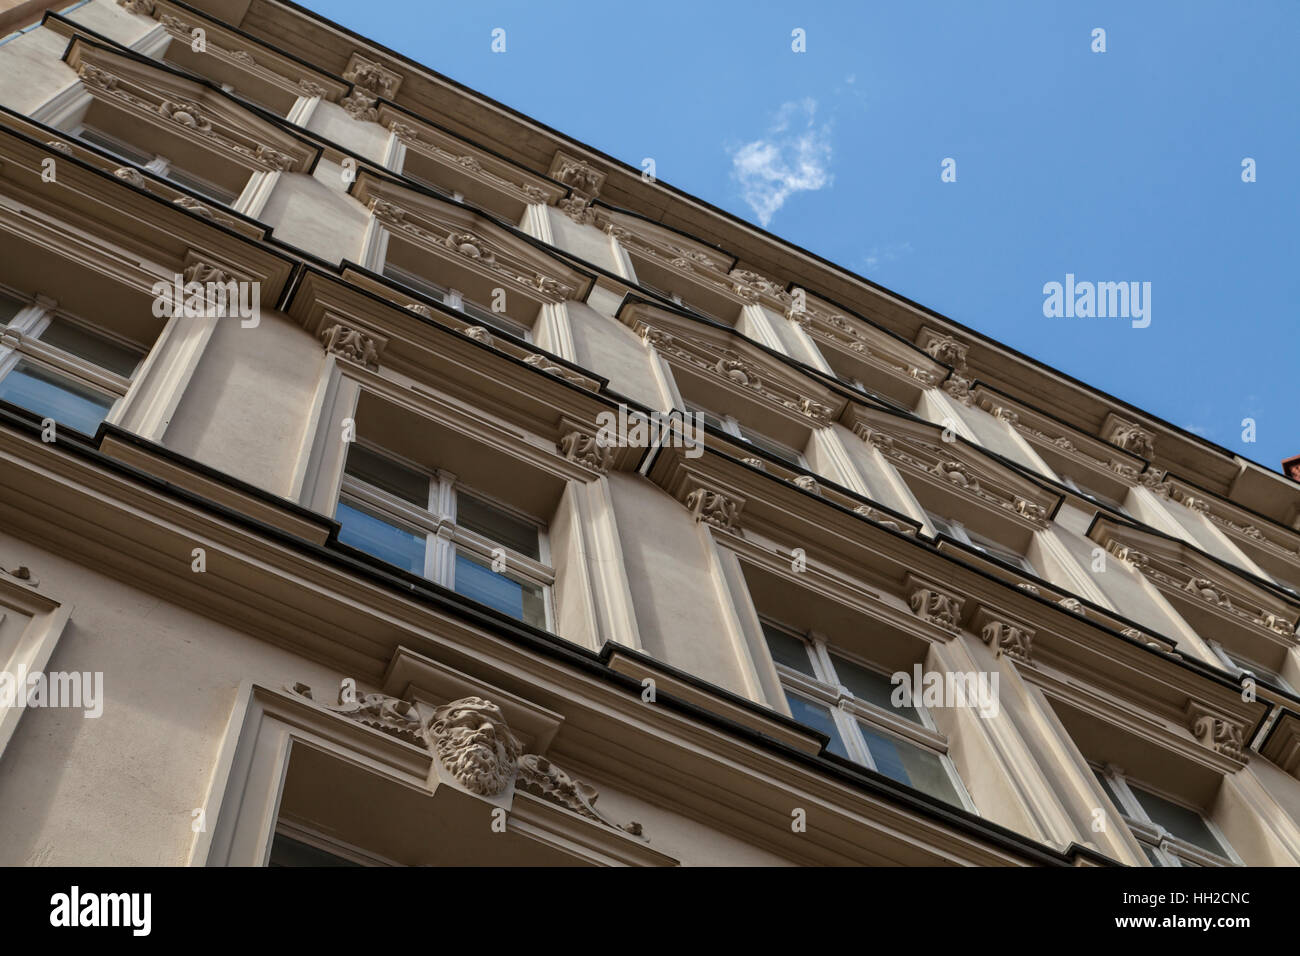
{"points": [[818, 718], [872, 687], [385, 541], [478, 582], [788, 650], [910, 764], [51, 395]]}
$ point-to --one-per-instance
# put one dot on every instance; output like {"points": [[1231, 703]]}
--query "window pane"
{"points": [[872, 687], [374, 469], [1110, 791], [775, 449], [95, 349], [995, 550], [201, 186], [496, 525], [384, 540], [910, 764], [289, 852], [477, 581], [1259, 670], [9, 307], [418, 283], [818, 718], [1152, 855], [788, 650], [51, 395], [117, 147], [1181, 822], [493, 320]]}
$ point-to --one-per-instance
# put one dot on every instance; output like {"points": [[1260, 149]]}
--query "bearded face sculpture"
{"points": [[476, 747]]}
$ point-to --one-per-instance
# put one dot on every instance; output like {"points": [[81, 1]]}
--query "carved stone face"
{"points": [[476, 747]]}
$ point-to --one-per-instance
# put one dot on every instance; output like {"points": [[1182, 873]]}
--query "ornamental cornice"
{"points": [[1217, 732], [462, 158], [740, 369], [934, 603], [493, 256], [199, 114]]}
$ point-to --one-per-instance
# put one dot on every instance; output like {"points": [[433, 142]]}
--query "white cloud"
{"points": [[886, 253], [793, 157]]}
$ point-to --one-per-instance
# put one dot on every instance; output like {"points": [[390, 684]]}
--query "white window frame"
{"points": [[443, 536], [159, 165], [732, 426], [1091, 496], [1242, 670], [958, 531], [1167, 848], [847, 710], [21, 339], [454, 299]]}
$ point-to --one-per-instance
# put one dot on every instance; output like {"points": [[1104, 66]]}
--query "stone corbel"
{"points": [[372, 77], [580, 176], [578, 446], [353, 344], [1218, 733], [933, 604], [472, 749], [719, 509], [1128, 435], [1004, 635]]}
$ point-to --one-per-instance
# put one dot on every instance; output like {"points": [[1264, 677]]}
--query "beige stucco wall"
{"points": [[249, 402], [312, 213], [31, 71]]}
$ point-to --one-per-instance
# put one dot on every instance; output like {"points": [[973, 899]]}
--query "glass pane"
{"points": [[995, 550], [872, 687], [289, 852], [910, 764], [1180, 821], [117, 147], [496, 525], [788, 650], [1260, 671], [374, 469], [493, 320], [477, 581], [1152, 855], [201, 186], [375, 536], [418, 283], [95, 349], [9, 307], [51, 395], [1110, 790], [709, 418], [775, 449], [818, 718]]}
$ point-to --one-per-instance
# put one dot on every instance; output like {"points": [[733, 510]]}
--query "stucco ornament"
{"points": [[471, 739]]}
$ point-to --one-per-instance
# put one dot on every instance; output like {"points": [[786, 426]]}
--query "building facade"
{"points": [[387, 479]]}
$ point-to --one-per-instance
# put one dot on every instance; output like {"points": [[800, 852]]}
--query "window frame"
{"points": [[501, 322], [443, 535], [957, 530], [160, 165], [733, 427], [1156, 840], [20, 340], [1249, 667], [825, 689]]}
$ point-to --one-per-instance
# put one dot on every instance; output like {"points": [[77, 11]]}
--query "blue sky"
{"points": [[1117, 166]]}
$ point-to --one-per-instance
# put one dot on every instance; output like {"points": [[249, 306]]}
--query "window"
{"points": [[852, 703], [731, 426], [286, 851], [497, 321], [857, 385], [428, 524], [64, 370], [1093, 496], [156, 164], [1171, 833], [1243, 665], [959, 532]]}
